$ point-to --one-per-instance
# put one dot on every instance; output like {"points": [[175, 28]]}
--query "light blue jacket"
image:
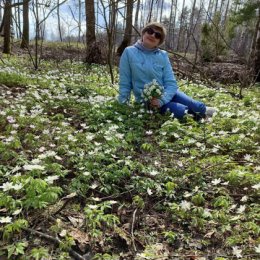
{"points": [[139, 66]]}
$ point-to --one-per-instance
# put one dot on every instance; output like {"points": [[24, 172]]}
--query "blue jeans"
{"points": [[181, 104]]}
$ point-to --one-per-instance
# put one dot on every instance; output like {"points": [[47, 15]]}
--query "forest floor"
{"points": [[82, 177]]}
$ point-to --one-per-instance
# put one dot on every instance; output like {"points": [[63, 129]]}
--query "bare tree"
{"points": [[137, 16], [25, 34], [59, 21], [128, 28], [255, 50], [6, 26], [110, 15], [149, 17], [93, 53]]}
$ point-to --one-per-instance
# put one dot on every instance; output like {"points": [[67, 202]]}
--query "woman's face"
{"points": [[151, 38]]}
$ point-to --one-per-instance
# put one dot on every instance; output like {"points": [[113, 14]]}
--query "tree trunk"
{"points": [[255, 51], [93, 52], [136, 16], [181, 29], [59, 23], [149, 17], [90, 17], [128, 28], [25, 34], [79, 32], [7, 26], [161, 11]]}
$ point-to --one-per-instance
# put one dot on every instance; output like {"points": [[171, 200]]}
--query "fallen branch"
{"points": [[132, 230], [55, 240]]}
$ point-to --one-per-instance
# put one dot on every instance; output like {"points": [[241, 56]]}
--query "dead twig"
{"points": [[55, 240], [132, 230]]}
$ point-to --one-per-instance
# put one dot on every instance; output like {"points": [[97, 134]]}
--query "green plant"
{"points": [[97, 220], [39, 253]]}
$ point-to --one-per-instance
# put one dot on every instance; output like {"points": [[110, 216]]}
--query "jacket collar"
{"points": [[139, 45]]}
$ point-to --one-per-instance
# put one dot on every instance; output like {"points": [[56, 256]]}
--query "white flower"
{"points": [[17, 212], [31, 167], [233, 206], [51, 179], [216, 181], [244, 198], [149, 191], [7, 186], [176, 135], [257, 249], [112, 202], [17, 186], [86, 173], [247, 157], [237, 252], [185, 151], [94, 185], [5, 220], [235, 130], [93, 206], [241, 209], [154, 172], [149, 132], [10, 119], [256, 186], [185, 205]]}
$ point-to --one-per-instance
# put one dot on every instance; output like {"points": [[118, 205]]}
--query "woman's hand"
{"points": [[155, 103]]}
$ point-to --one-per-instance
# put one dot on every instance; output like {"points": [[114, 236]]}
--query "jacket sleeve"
{"points": [[169, 83], [125, 78]]}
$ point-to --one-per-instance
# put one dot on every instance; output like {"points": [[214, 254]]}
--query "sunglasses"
{"points": [[151, 31]]}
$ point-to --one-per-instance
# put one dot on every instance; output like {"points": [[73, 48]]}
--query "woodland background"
{"points": [[198, 31], [84, 177]]}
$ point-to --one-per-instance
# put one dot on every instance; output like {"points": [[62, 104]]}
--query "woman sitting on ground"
{"points": [[144, 62]]}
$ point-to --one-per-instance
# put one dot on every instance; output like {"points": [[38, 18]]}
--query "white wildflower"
{"points": [[149, 191], [247, 157], [86, 173], [257, 249], [5, 220], [256, 186], [17, 212], [237, 252], [154, 172], [216, 181], [244, 198], [7, 186], [241, 209], [93, 206], [185, 205], [51, 179], [149, 132], [17, 186], [31, 167]]}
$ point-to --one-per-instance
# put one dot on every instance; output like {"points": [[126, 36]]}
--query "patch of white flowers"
{"points": [[152, 90]]}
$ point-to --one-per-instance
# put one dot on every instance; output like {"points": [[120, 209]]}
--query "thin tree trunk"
{"points": [[90, 17], [162, 5], [149, 17], [59, 23], [216, 6], [226, 13], [128, 29], [7, 26], [254, 60], [25, 33], [80, 18], [181, 30], [136, 16]]}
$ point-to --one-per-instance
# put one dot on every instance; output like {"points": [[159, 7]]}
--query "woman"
{"points": [[142, 63]]}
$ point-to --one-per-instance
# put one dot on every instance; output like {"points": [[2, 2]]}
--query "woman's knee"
{"points": [[178, 110]]}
